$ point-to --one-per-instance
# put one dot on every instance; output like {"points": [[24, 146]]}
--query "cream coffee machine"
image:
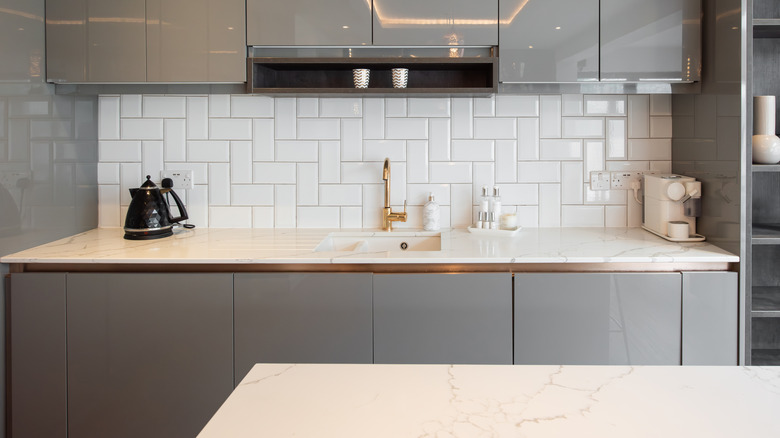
{"points": [[672, 204]]}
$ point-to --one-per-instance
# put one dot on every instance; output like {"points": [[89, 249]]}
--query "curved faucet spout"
{"points": [[386, 170]]}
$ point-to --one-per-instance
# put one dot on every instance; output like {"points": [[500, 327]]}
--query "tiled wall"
{"points": [[317, 162]]}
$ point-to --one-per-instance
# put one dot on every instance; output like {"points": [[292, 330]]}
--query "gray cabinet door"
{"points": [[308, 22], [710, 324], [443, 318], [149, 355], [598, 319], [435, 22], [195, 41], [549, 41], [302, 318], [37, 367], [650, 40]]}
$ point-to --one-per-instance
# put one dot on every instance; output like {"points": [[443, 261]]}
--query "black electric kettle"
{"points": [[149, 216]]}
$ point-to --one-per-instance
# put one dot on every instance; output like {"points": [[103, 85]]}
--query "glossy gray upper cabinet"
{"points": [[195, 41], [308, 22], [650, 40], [95, 41], [549, 40], [435, 22]]}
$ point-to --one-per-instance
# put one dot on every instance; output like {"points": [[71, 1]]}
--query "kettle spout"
{"points": [[133, 191]]}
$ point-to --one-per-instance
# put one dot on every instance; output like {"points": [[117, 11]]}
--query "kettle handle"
{"points": [[180, 205]]}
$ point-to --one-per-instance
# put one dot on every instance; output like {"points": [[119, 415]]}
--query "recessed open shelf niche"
{"points": [[476, 76]]}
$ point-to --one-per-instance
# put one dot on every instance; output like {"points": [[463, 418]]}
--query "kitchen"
{"points": [[275, 172]]}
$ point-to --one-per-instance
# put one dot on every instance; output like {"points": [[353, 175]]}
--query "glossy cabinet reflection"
{"points": [[598, 319], [308, 22], [549, 41], [437, 22], [643, 40]]}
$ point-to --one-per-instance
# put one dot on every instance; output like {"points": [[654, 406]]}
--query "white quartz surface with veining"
{"points": [[236, 246], [437, 401]]}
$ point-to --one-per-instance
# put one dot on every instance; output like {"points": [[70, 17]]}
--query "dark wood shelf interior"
{"points": [[766, 28], [766, 299], [766, 231], [334, 75]]}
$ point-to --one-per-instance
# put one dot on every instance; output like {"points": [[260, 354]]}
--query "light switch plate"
{"points": [[182, 179]]}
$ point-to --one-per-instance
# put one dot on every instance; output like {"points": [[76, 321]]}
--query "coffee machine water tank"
{"points": [[672, 199]]}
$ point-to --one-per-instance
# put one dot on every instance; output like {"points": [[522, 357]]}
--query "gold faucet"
{"points": [[388, 215]]}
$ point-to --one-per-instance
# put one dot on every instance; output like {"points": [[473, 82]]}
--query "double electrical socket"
{"points": [[182, 179], [606, 180]]}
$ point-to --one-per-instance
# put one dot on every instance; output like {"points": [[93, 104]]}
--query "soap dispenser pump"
{"points": [[431, 215]]}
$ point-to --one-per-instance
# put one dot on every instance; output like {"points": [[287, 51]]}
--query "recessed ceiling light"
{"points": [[345, 27], [557, 27], [230, 27], [530, 47]]}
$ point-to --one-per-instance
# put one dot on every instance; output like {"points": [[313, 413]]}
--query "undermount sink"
{"points": [[380, 241]]}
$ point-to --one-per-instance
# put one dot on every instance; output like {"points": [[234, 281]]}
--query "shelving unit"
{"points": [[473, 76], [762, 269]]}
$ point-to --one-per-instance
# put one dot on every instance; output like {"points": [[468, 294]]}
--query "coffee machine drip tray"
{"points": [[691, 238]]}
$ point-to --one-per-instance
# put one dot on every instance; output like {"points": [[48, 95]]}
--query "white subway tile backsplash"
{"points": [[373, 198], [462, 117], [439, 140], [528, 216], [616, 138], [198, 206], [398, 183], [539, 171], [308, 107], [230, 217], [417, 161], [175, 140], [395, 107], [650, 149], [263, 140], [429, 107], [119, 151], [582, 216], [164, 106], [352, 140], [341, 107], [594, 157], [108, 173], [130, 176], [638, 116], [571, 104], [615, 216], [549, 205], [351, 217], [661, 127], [417, 194], [208, 151], [406, 129], [571, 183], [517, 106], [340, 194], [297, 150], [197, 118], [274, 173], [240, 162], [262, 217], [528, 140], [285, 206], [108, 206], [230, 129], [550, 117], [330, 162], [605, 105], [461, 205], [108, 123], [219, 105], [142, 129], [373, 118], [519, 194], [604, 197], [560, 149], [131, 105], [152, 161], [627, 166], [485, 106], [582, 127], [319, 129], [319, 217], [219, 184], [308, 184], [248, 194], [200, 170], [661, 166], [378, 150], [484, 175], [495, 128], [660, 105], [472, 150], [451, 172], [506, 161], [251, 106], [285, 118], [366, 172]]}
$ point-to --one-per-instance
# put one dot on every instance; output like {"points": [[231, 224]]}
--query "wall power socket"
{"points": [[182, 179]]}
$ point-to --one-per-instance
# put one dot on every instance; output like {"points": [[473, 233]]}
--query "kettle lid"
{"points": [[148, 184]]}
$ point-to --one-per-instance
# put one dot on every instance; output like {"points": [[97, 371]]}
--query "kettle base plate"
{"points": [[148, 235]]}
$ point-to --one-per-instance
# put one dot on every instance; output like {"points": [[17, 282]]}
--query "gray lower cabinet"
{"points": [[37, 368], [710, 305], [302, 318], [149, 355], [443, 318], [598, 319]]}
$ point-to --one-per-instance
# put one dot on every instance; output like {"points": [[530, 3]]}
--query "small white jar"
{"points": [[431, 215]]}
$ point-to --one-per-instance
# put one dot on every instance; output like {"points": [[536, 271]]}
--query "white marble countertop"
{"points": [[272, 246], [396, 401]]}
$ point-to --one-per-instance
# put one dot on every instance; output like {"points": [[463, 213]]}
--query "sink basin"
{"points": [[380, 241]]}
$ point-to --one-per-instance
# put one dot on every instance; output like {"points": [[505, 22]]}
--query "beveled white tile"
{"points": [[319, 129], [638, 116], [363, 172], [527, 216], [198, 206], [131, 105], [219, 105], [462, 117], [274, 173], [519, 194], [439, 142], [528, 139], [495, 128], [119, 151], [130, 176], [108, 119], [341, 107], [473, 150], [330, 162], [429, 107], [297, 150], [650, 149], [626, 166], [197, 118], [141, 129], [108, 173], [352, 139], [661, 166], [285, 206], [251, 106], [571, 183], [571, 104], [373, 118], [285, 118], [616, 138], [378, 150], [506, 161], [549, 205], [219, 184], [200, 171], [308, 107], [230, 217], [398, 183], [485, 106], [241, 161], [395, 107], [174, 140], [230, 129], [582, 216], [262, 217], [406, 129], [373, 195], [319, 217], [484, 175], [208, 151], [108, 206], [461, 205], [341, 194], [308, 184], [417, 161], [351, 217], [594, 157], [660, 105], [615, 216], [152, 161], [582, 127], [450, 172], [550, 117], [417, 194], [661, 127], [263, 140], [248, 194], [164, 106], [539, 171], [517, 106], [553, 149], [605, 105], [614, 197]]}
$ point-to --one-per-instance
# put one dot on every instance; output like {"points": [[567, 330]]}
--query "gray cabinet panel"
{"points": [[650, 40], [308, 22], [435, 22], [148, 354], [195, 41], [302, 318], [37, 364], [66, 40], [597, 319], [710, 318], [549, 41], [443, 318]]}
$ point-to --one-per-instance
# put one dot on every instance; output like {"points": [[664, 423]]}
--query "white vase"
{"points": [[766, 145], [766, 149]]}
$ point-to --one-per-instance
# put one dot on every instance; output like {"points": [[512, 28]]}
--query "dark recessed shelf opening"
{"points": [[765, 280], [766, 341]]}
